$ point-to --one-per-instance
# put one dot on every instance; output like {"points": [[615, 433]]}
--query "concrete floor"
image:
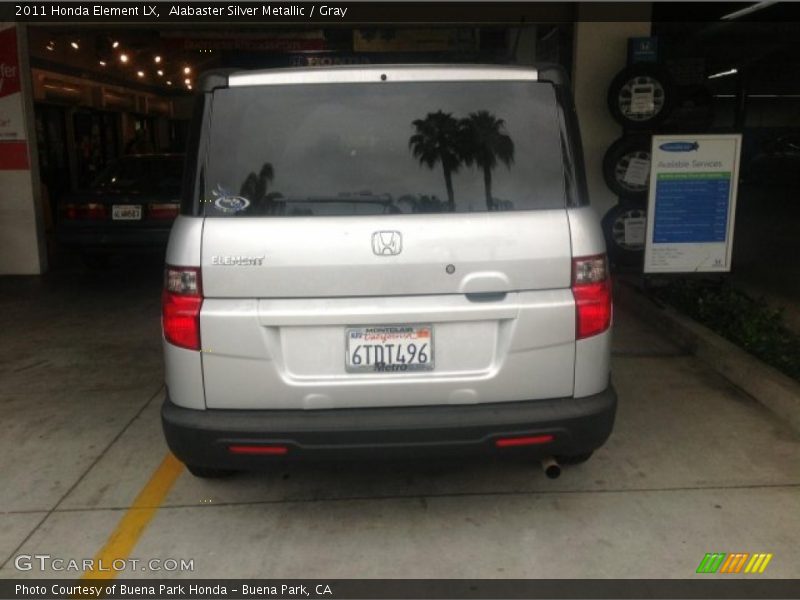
{"points": [[693, 466]]}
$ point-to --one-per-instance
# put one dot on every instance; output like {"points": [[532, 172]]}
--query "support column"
{"points": [[600, 51], [22, 247]]}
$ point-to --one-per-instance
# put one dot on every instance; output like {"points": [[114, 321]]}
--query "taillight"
{"points": [[591, 287], [92, 211], [180, 306], [164, 211]]}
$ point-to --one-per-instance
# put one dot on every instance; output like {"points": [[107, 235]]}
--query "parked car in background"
{"points": [[129, 207], [777, 164]]}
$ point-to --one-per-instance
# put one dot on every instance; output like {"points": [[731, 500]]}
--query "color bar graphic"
{"points": [[758, 563], [711, 562], [734, 563]]}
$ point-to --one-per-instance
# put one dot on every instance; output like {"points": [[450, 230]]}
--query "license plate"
{"points": [[389, 348], [126, 212]]}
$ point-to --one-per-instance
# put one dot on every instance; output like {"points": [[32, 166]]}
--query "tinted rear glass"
{"points": [[382, 148], [158, 175]]}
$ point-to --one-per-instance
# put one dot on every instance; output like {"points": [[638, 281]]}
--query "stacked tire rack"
{"points": [[644, 99]]}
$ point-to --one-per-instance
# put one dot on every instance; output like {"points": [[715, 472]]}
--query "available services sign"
{"points": [[691, 203]]}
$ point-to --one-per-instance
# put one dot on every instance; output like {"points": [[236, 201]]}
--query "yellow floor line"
{"points": [[130, 528]]}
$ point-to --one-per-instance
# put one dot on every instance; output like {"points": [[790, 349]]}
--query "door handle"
{"points": [[486, 296]]}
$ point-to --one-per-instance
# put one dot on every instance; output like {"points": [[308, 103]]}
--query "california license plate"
{"points": [[389, 348], [126, 212]]}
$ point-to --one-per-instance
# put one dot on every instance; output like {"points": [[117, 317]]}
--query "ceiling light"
{"points": [[189, 86], [160, 73], [140, 73], [723, 73], [747, 11], [74, 45], [123, 58], [186, 70], [115, 44], [102, 63], [51, 45], [157, 59], [187, 81], [169, 82]]}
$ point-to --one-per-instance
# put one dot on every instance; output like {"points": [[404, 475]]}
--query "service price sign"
{"points": [[691, 203]]}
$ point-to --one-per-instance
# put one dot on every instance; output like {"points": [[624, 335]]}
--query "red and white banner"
{"points": [[13, 147]]}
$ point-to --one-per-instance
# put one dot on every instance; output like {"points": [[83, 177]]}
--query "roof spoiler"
{"points": [[219, 78], [552, 73], [214, 79]]}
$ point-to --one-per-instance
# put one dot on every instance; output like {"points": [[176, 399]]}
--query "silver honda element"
{"points": [[385, 260]]}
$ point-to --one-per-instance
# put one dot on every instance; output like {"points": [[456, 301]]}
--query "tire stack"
{"points": [[644, 99]]}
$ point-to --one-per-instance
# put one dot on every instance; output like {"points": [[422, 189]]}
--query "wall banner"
{"points": [[13, 148]]}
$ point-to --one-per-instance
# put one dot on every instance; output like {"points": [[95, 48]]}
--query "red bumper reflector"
{"points": [[532, 440], [256, 449]]}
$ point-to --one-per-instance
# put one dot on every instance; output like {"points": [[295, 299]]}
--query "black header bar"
{"points": [[349, 13]]}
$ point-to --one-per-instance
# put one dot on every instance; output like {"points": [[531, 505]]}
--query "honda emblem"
{"points": [[387, 243]]}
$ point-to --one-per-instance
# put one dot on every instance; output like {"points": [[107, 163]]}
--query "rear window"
{"points": [[382, 148]]}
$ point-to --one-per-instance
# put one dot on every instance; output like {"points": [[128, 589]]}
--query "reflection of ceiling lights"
{"points": [[187, 81], [186, 70], [123, 58], [115, 44], [74, 45], [140, 73], [723, 73], [102, 63], [51, 45], [160, 73], [157, 59], [169, 82]]}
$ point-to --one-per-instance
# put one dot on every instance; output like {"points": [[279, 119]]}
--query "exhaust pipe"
{"points": [[551, 467]]}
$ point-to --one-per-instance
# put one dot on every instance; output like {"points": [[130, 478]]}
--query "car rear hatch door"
{"points": [[335, 232]]}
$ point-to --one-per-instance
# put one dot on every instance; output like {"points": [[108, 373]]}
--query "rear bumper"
{"points": [[202, 437], [109, 238]]}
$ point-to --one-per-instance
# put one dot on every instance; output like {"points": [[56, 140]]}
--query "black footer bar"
{"points": [[396, 589]]}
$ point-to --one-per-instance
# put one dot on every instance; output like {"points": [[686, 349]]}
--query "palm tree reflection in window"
{"points": [[486, 143], [479, 139], [436, 141], [255, 189]]}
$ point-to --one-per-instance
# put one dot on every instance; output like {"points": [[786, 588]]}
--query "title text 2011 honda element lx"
{"points": [[385, 260]]}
